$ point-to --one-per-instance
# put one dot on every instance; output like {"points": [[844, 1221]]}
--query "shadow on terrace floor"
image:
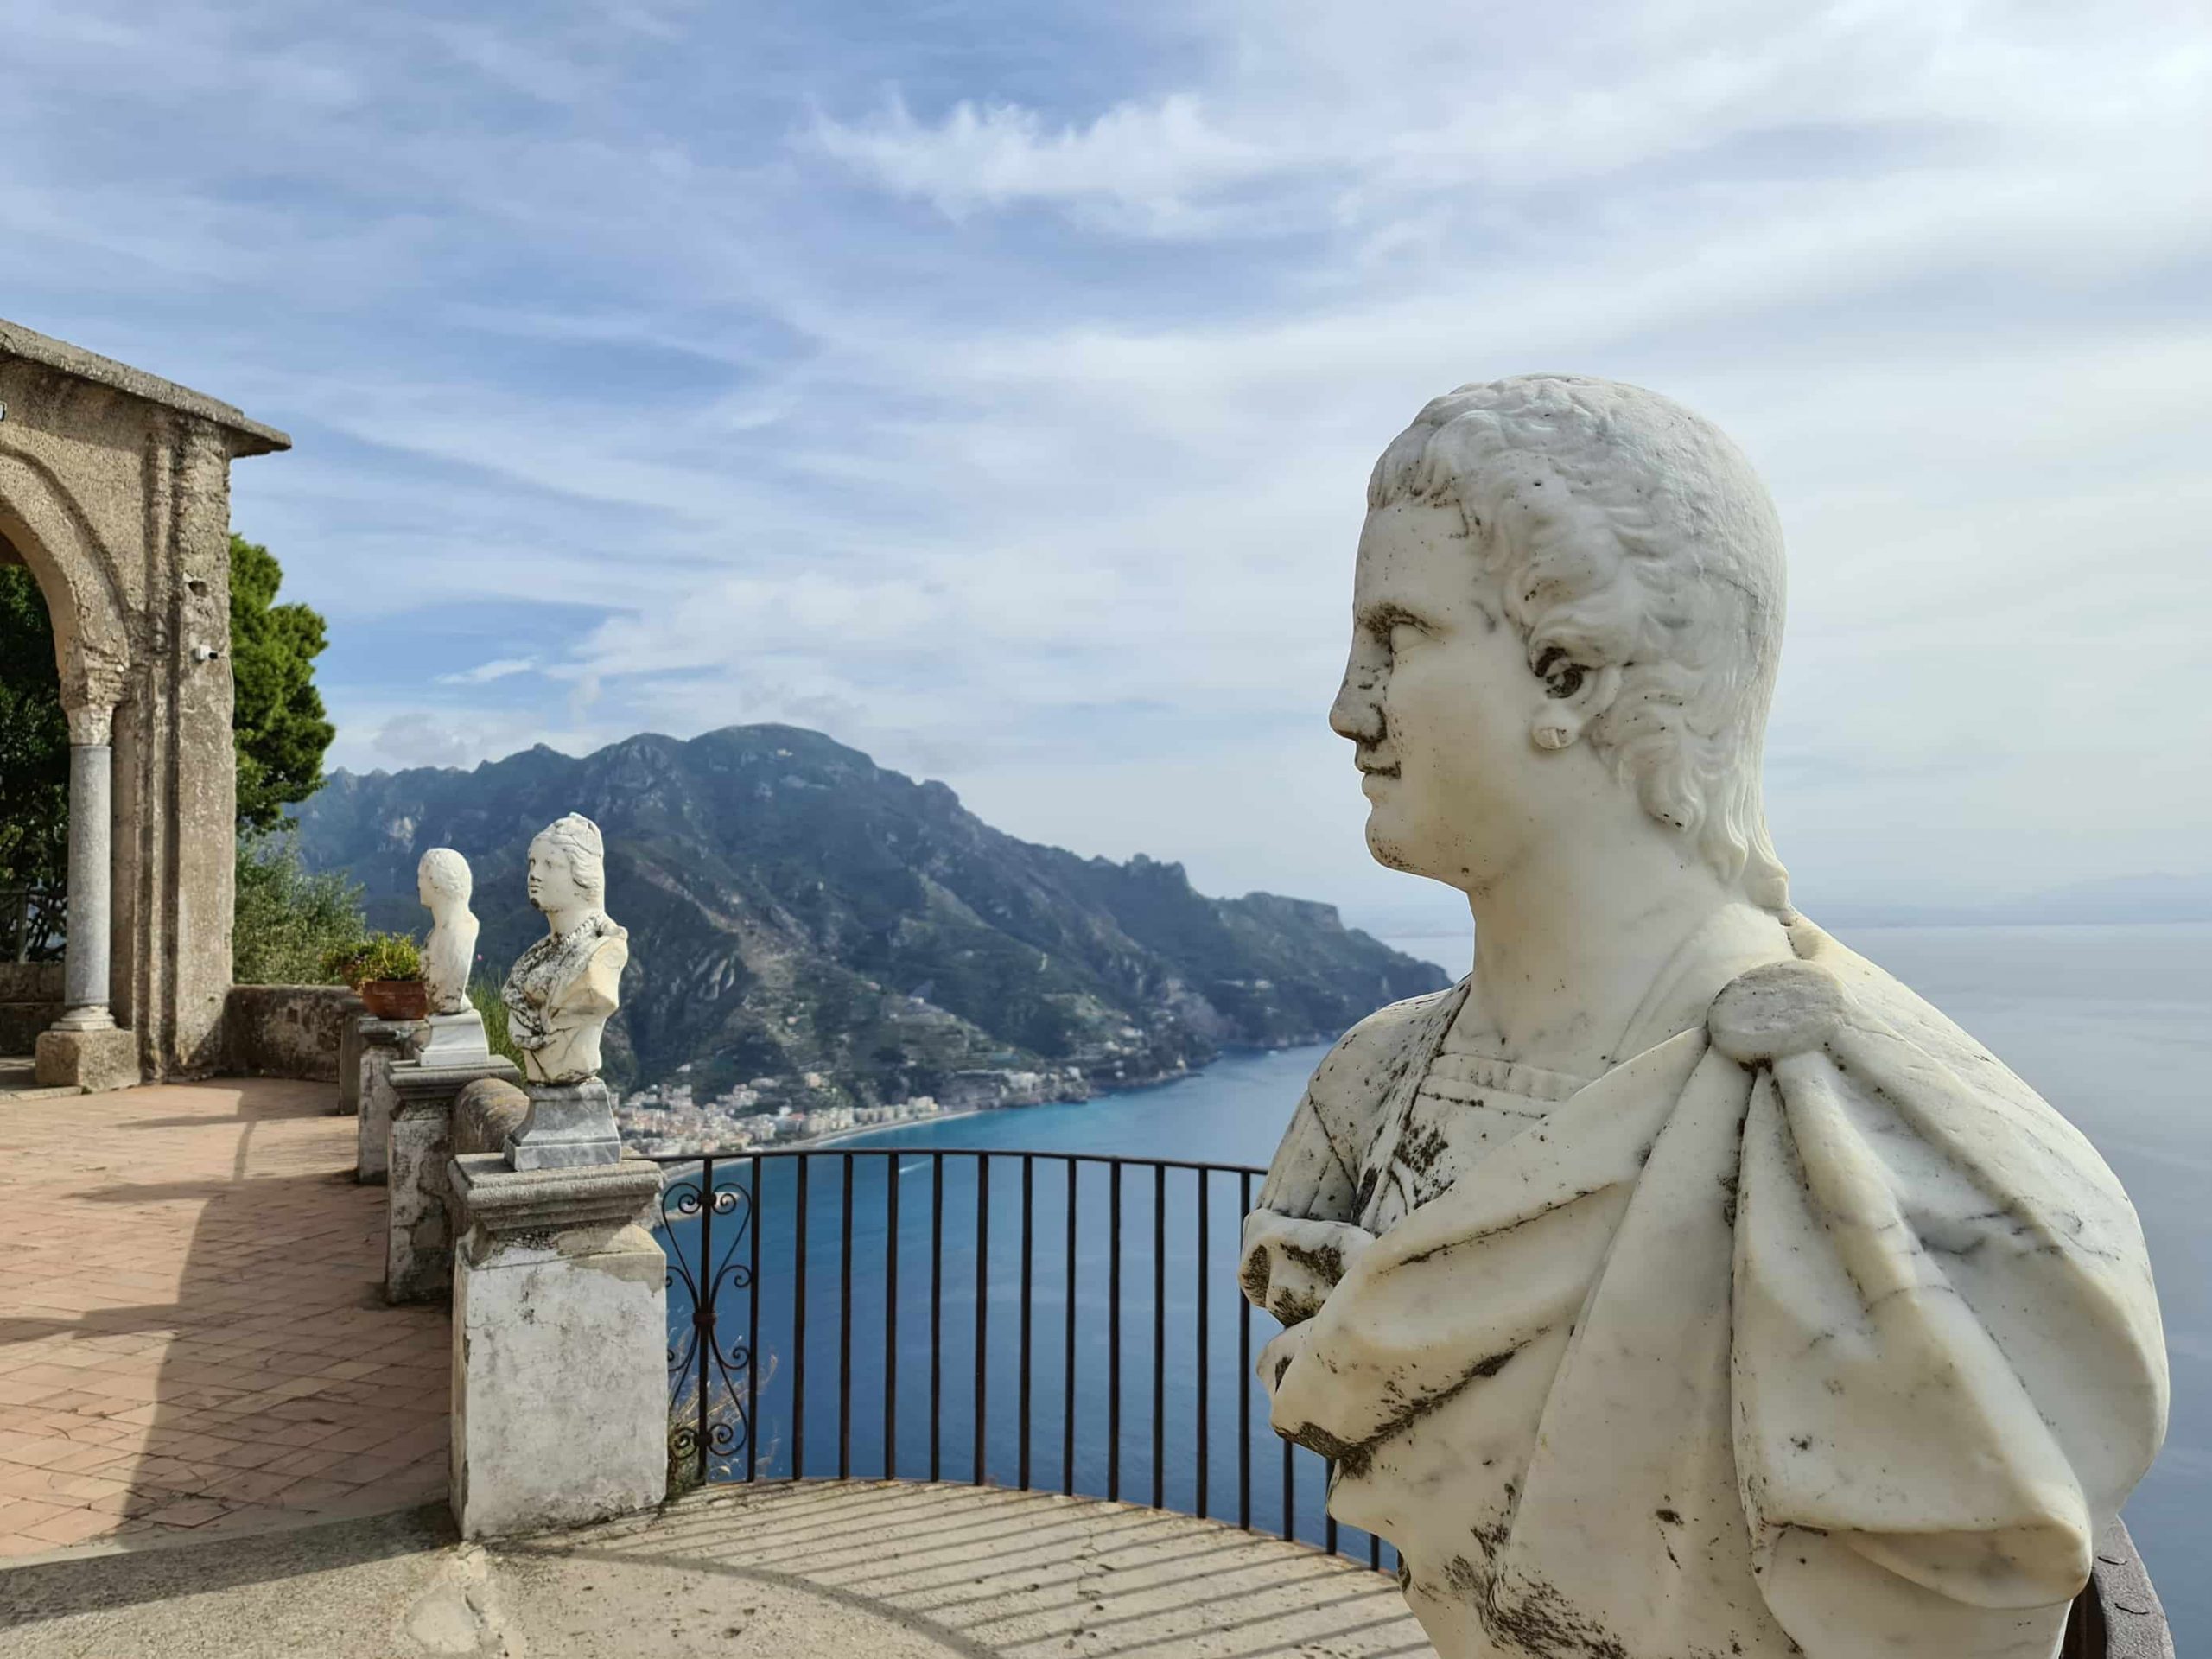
{"points": [[192, 1340], [776, 1572]]}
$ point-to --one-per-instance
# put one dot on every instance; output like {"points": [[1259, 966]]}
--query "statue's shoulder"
{"points": [[1824, 988], [1369, 1057]]}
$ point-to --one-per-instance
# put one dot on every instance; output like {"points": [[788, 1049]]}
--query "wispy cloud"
{"points": [[999, 395], [498, 668]]}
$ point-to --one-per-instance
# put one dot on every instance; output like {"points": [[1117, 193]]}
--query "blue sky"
{"points": [[993, 387]]}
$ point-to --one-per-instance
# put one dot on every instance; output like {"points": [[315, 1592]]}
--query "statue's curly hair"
{"points": [[446, 870], [1626, 532]]}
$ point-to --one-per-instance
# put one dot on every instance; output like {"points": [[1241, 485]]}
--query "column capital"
{"points": [[91, 726], [88, 699]]}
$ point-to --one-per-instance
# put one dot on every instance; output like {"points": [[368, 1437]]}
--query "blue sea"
{"points": [[2113, 1024]]}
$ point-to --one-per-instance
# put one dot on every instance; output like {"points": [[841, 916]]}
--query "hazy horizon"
{"points": [[1440, 913]]}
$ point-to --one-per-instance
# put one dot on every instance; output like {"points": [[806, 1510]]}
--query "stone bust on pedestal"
{"points": [[443, 882], [560, 994], [1679, 1283]]}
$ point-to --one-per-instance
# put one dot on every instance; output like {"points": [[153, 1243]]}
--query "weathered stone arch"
{"points": [[48, 530], [115, 492]]}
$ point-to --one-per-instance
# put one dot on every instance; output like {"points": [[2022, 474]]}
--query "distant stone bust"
{"points": [[1678, 1283], [442, 883], [563, 990]]}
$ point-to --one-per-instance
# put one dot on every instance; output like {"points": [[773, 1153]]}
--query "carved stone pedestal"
{"points": [[418, 1242], [373, 1126], [569, 1125], [560, 1335], [453, 1040], [361, 1035]]}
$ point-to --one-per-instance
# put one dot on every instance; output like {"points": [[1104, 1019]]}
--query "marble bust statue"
{"points": [[562, 989], [1679, 1283], [454, 1035], [443, 884]]}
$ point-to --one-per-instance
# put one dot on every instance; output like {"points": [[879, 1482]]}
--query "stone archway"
{"points": [[115, 491]]}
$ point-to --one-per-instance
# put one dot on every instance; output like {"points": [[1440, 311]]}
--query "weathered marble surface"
{"points": [[451, 1039], [1679, 1283], [560, 1327], [419, 1232], [443, 882], [560, 996], [561, 991], [384, 1043]]}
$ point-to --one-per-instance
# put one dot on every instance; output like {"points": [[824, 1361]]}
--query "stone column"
{"points": [[560, 1344], [84, 975], [84, 1048]]}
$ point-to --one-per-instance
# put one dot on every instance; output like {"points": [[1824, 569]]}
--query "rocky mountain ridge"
{"points": [[800, 916]]}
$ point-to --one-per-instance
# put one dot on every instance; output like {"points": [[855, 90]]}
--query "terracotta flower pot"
{"points": [[396, 999]]}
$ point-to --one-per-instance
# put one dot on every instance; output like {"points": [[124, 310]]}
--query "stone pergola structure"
{"points": [[115, 491]]}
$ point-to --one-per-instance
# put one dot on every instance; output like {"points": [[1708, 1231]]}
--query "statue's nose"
{"points": [[1356, 714]]}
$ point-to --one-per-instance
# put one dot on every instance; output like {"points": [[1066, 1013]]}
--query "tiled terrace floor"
{"points": [[192, 1337]]}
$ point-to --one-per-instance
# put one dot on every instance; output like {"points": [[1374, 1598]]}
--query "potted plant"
{"points": [[385, 970]]}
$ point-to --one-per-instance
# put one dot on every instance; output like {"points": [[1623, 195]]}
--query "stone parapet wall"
{"points": [[30, 1001], [286, 1031]]}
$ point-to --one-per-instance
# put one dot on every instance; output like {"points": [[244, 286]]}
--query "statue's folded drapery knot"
{"points": [[1774, 1012]]}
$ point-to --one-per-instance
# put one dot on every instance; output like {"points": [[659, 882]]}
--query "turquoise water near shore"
{"points": [[2112, 1024]]}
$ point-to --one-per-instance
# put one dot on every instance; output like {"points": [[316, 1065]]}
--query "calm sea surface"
{"points": [[2113, 1025]]}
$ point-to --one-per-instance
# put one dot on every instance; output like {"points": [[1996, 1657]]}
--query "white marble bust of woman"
{"points": [[443, 884], [563, 990]]}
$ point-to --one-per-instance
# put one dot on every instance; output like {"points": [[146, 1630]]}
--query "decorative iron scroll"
{"points": [[709, 1428]]}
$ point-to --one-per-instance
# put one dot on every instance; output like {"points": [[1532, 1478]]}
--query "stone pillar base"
{"points": [[418, 1239], [92, 1061], [559, 1341], [384, 1043]]}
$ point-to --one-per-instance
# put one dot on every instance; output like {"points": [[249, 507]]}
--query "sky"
{"points": [[994, 386]]}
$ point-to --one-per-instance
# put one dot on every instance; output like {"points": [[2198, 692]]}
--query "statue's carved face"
{"points": [[1440, 699], [553, 879]]}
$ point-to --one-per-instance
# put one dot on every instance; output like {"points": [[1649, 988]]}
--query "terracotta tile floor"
{"points": [[193, 1337]]}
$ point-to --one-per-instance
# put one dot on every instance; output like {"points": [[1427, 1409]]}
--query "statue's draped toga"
{"points": [[1807, 1326]]}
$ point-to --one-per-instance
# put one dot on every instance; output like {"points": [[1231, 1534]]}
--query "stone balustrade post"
{"points": [[380, 1045], [419, 1237], [560, 1341]]}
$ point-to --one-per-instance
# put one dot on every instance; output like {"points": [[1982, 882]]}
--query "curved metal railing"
{"points": [[1044, 1320]]}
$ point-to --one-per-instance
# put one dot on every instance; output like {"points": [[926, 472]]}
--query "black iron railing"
{"points": [[1058, 1321]]}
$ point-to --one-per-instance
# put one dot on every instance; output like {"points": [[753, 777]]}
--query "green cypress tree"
{"points": [[277, 715]]}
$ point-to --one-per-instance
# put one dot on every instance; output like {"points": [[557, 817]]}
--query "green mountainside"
{"points": [[794, 908]]}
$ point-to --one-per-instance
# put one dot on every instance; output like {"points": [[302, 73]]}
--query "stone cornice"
{"points": [[247, 437], [503, 1201]]}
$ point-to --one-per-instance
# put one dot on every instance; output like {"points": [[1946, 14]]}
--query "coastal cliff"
{"points": [[808, 928]]}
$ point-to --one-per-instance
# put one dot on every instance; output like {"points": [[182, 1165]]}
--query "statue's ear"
{"points": [[1574, 695]]}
